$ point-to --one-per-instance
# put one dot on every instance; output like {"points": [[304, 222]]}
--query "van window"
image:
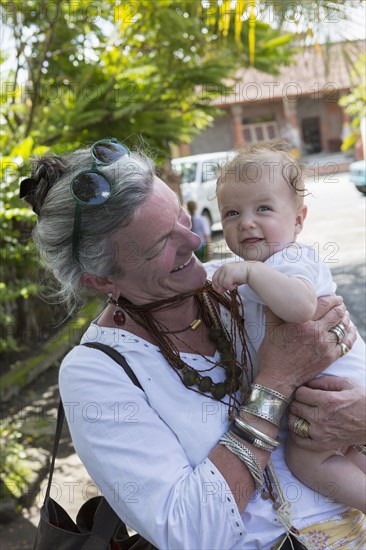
{"points": [[209, 170], [187, 171]]}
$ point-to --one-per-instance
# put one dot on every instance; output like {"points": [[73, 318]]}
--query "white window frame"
{"points": [[264, 127]]}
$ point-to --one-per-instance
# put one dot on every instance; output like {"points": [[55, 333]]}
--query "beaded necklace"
{"points": [[237, 374]]}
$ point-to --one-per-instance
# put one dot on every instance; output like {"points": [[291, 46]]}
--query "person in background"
{"points": [[201, 227]]}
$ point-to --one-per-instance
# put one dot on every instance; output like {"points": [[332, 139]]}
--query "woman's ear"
{"points": [[102, 284], [300, 217]]}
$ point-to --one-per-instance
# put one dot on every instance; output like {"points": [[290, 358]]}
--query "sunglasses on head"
{"points": [[92, 187]]}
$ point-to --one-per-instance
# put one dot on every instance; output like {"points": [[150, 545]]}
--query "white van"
{"points": [[198, 175]]}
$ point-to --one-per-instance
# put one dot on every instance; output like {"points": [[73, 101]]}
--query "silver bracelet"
{"points": [[263, 437], [249, 438], [272, 392], [265, 404], [260, 413], [246, 456]]}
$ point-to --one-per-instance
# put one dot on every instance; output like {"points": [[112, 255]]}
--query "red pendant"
{"points": [[119, 317]]}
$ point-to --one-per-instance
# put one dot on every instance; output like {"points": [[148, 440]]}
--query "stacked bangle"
{"points": [[246, 456], [273, 443], [266, 403], [249, 438]]}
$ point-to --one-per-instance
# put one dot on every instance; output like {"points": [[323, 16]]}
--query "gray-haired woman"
{"points": [[178, 461]]}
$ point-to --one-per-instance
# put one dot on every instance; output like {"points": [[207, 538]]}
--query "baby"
{"points": [[261, 199]]}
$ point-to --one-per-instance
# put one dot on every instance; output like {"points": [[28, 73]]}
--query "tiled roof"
{"points": [[317, 69]]}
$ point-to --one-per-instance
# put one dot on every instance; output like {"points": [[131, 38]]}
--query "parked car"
{"points": [[357, 175], [198, 175]]}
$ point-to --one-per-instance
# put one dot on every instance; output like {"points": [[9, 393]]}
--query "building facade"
{"points": [[299, 105]]}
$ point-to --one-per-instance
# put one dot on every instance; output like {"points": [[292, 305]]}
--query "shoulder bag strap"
{"points": [[118, 358], [59, 423], [106, 520]]}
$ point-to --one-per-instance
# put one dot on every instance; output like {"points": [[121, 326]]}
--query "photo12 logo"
{"points": [[268, 12]]}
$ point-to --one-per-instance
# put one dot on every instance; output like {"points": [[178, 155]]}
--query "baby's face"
{"points": [[259, 211]]}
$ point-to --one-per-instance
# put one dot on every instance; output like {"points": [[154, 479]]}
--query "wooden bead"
{"points": [[219, 391], [205, 384], [190, 377]]}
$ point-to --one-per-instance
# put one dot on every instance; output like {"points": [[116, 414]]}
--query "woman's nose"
{"points": [[189, 239], [195, 240]]}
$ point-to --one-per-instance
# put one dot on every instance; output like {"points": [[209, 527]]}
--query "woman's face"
{"points": [[156, 250]]}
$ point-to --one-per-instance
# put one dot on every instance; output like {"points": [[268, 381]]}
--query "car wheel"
{"points": [[362, 190]]}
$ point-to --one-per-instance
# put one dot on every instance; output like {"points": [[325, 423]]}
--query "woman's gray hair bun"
{"points": [[46, 171]]}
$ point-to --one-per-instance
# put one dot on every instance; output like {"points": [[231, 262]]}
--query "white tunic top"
{"points": [[147, 450]]}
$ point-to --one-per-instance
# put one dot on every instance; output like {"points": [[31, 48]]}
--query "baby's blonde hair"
{"points": [[253, 155]]}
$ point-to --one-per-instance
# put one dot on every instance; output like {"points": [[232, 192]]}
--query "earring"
{"points": [[119, 316]]}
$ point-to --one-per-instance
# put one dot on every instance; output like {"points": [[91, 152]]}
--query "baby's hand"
{"points": [[229, 276]]}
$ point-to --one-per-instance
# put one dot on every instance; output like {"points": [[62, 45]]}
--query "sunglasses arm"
{"points": [[76, 232]]}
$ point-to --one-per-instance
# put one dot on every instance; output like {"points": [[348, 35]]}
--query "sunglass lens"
{"points": [[108, 152], [90, 188]]}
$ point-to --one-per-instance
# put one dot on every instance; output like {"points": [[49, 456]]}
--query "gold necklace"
{"points": [[193, 326]]}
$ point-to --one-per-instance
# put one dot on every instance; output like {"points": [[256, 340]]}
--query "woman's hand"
{"points": [[293, 354], [336, 410]]}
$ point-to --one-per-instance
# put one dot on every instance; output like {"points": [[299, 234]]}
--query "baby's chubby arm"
{"points": [[291, 298]]}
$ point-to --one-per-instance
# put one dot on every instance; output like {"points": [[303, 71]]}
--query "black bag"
{"points": [[292, 543], [97, 526]]}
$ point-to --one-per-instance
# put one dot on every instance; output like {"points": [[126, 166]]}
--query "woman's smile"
{"points": [[184, 265]]}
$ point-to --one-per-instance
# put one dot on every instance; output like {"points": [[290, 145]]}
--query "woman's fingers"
{"points": [[337, 317], [316, 418], [334, 409], [332, 317], [304, 442], [351, 336], [326, 303], [325, 383], [306, 396], [301, 351], [315, 400], [351, 332]]}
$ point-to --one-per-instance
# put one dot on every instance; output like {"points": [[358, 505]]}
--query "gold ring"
{"points": [[301, 427], [344, 348], [339, 331]]}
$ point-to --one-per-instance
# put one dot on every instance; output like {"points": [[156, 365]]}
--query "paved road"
{"points": [[335, 225]]}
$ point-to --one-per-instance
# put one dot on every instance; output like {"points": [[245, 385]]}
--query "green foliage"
{"points": [[18, 259], [12, 451], [20, 461], [355, 102], [135, 66], [83, 70]]}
